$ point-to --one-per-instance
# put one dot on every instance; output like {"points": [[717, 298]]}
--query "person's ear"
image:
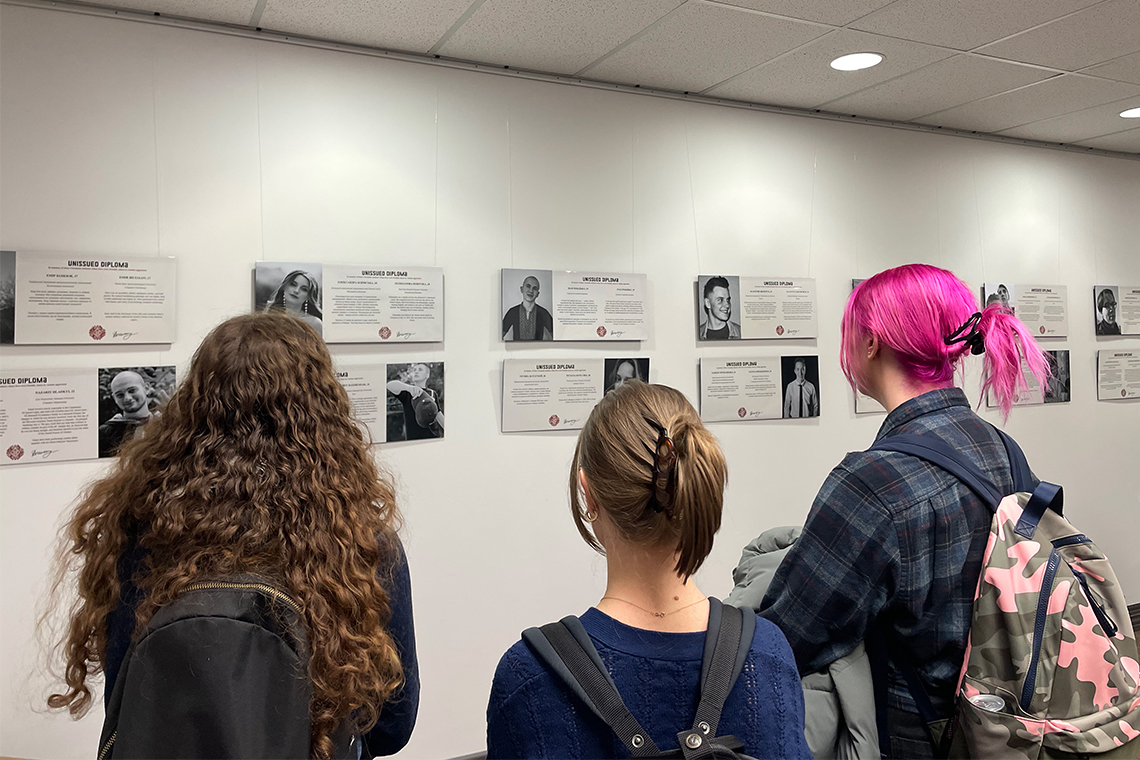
{"points": [[872, 347], [589, 496]]}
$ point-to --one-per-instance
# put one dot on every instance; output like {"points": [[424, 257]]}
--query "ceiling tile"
{"points": [[1042, 100], [1077, 126], [560, 36], [1127, 141], [701, 45], [964, 24], [222, 11], [803, 77], [394, 24], [1124, 69], [823, 11], [941, 85], [1094, 35]]}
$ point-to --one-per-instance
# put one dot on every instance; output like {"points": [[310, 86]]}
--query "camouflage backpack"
{"points": [[1051, 666]]}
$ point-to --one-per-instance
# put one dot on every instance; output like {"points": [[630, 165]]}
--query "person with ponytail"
{"points": [[646, 490], [893, 545]]}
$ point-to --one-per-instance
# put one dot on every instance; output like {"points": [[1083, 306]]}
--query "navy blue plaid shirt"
{"points": [[893, 537]]}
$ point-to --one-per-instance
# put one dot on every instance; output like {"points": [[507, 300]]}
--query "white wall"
{"points": [[119, 137]]}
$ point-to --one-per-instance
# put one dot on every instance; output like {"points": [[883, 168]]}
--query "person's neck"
{"points": [[141, 414], [528, 307], [892, 387], [716, 324], [643, 590]]}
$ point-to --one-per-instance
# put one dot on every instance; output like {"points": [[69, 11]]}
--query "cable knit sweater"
{"points": [[533, 715]]}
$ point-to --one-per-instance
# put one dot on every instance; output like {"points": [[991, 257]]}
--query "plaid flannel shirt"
{"points": [[895, 538]]}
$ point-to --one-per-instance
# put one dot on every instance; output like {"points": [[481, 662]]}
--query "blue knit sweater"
{"points": [[533, 715]]}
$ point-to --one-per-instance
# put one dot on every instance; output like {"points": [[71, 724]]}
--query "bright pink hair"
{"points": [[914, 308]]}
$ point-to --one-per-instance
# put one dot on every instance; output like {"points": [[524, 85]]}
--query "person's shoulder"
{"points": [[517, 668], [770, 653]]}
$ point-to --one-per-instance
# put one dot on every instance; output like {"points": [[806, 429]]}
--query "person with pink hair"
{"points": [[892, 545]]}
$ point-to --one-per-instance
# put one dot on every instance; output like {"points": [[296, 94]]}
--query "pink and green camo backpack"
{"points": [[1051, 667]]}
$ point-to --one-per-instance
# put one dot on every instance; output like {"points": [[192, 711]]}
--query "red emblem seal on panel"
{"points": [[601, 332], [1042, 329], [385, 333], [97, 332], [779, 329], [742, 411], [554, 420], [15, 452]]}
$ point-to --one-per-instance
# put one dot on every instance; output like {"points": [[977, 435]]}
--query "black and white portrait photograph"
{"points": [[1105, 298], [7, 297], [1058, 389], [718, 299], [415, 401], [800, 380], [618, 372], [292, 288], [130, 397], [1001, 294], [527, 304]]}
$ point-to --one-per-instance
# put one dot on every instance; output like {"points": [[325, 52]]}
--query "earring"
{"points": [[305, 307], [590, 516]]}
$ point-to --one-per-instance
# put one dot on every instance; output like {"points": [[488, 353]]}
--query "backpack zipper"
{"points": [[107, 747], [274, 593], [1039, 627]]}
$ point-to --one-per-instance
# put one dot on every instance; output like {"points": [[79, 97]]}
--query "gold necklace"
{"points": [[655, 613]]}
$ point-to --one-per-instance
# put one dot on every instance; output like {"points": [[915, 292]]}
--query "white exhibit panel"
{"points": [[1058, 387], [61, 298], [396, 402], [349, 303], [1118, 375], [68, 414], [540, 304], [558, 394], [760, 388], [124, 141], [730, 307], [1043, 308]]}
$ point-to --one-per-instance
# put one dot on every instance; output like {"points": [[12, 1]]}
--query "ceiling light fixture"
{"points": [[1131, 113], [856, 61]]}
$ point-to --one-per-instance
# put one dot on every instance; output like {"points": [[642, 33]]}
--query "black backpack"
{"points": [[220, 672], [566, 649]]}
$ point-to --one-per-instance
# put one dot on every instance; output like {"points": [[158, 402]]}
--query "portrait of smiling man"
{"points": [[716, 309], [527, 320], [130, 396]]}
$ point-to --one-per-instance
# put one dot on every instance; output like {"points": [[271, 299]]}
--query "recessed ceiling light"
{"points": [[856, 61], [1131, 113]]}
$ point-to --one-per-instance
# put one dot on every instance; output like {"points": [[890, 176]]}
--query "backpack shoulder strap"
{"points": [[566, 648], [1018, 465], [727, 643], [939, 453]]}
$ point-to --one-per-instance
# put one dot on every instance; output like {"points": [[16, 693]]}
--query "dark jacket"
{"points": [[893, 538]]}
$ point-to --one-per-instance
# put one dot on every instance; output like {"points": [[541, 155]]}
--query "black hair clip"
{"points": [[664, 483], [969, 334]]}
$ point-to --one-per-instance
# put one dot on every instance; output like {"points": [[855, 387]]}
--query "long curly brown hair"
{"points": [[254, 466]]}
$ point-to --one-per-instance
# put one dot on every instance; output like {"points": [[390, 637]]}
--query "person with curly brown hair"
{"points": [[255, 470]]}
